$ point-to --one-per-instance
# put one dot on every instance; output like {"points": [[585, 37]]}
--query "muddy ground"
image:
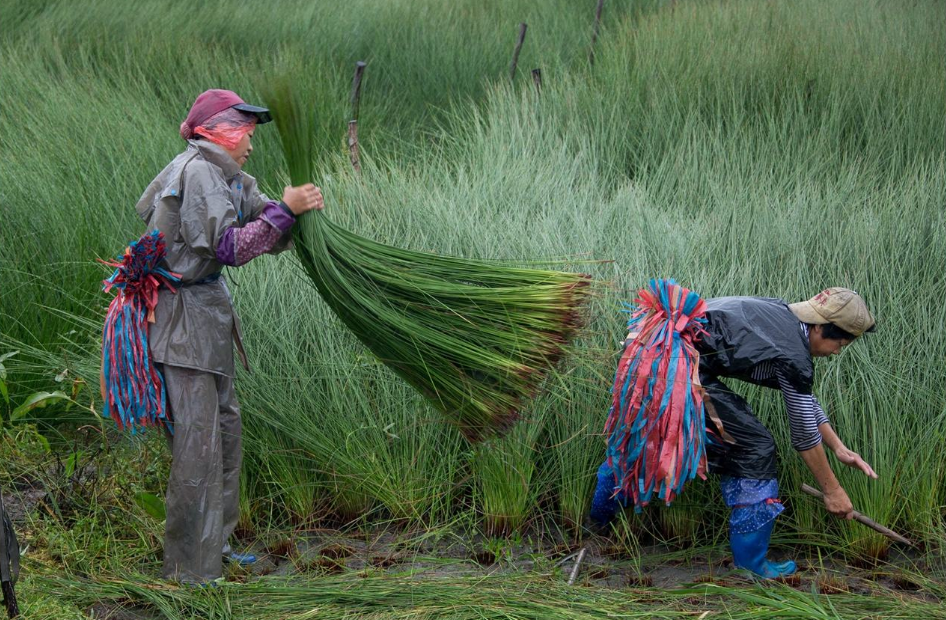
{"points": [[605, 563]]}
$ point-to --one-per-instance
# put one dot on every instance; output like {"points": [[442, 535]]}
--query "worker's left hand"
{"points": [[853, 459]]}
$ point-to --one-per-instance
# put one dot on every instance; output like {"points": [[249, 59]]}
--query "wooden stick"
{"points": [[862, 519], [594, 33], [574, 575], [515, 52], [537, 79], [353, 145], [356, 88]]}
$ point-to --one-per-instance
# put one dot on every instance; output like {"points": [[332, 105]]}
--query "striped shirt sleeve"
{"points": [[820, 416], [804, 415]]}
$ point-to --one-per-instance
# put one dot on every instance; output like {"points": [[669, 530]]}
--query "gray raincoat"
{"points": [[193, 201]]}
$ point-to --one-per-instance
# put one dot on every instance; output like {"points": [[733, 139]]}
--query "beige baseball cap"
{"points": [[841, 306]]}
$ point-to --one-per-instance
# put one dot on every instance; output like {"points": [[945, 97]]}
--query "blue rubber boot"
{"points": [[749, 551], [214, 583], [603, 506], [243, 559]]}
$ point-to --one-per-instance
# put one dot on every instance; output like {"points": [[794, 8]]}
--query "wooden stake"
{"points": [[574, 575], [594, 33], [356, 88], [515, 52], [537, 79], [353, 145], [862, 519]]}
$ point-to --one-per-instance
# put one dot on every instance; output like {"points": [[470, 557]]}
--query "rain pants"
{"points": [[193, 201]]}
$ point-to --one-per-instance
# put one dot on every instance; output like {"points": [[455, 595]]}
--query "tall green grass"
{"points": [[740, 147]]}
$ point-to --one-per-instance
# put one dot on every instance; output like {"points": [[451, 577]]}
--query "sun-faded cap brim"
{"points": [[262, 114], [806, 313]]}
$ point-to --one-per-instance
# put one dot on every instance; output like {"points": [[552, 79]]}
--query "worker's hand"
{"points": [[853, 459], [303, 198], [838, 503]]}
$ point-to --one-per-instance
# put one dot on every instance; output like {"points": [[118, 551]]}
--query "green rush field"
{"points": [[742, 147]]}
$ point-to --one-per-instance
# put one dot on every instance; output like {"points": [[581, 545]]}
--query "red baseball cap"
{"points": [[216, 100]]}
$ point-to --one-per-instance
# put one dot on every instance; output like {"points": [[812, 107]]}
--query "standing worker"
{"points": [[211, 214], [766, 342]]}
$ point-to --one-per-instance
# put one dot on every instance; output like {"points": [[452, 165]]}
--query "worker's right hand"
{"points": [[838, 503], [303, 198]]}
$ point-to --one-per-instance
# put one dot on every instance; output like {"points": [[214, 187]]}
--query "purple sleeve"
{"points": [[239, 245]]}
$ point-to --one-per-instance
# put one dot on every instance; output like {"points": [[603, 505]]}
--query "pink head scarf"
{"points": [[222, 117], [226, 128]]}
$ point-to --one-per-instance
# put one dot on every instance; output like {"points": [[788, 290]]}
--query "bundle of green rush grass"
{"points": [[476, 338]]}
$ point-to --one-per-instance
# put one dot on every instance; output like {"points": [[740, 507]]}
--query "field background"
{"points": [[741, 147]]}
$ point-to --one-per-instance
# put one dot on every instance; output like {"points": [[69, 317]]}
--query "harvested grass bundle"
{"points": [[476, 338]]}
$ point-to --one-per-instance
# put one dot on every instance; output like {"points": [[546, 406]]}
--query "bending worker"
{"points": [[766, 342], [212, 214]]}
